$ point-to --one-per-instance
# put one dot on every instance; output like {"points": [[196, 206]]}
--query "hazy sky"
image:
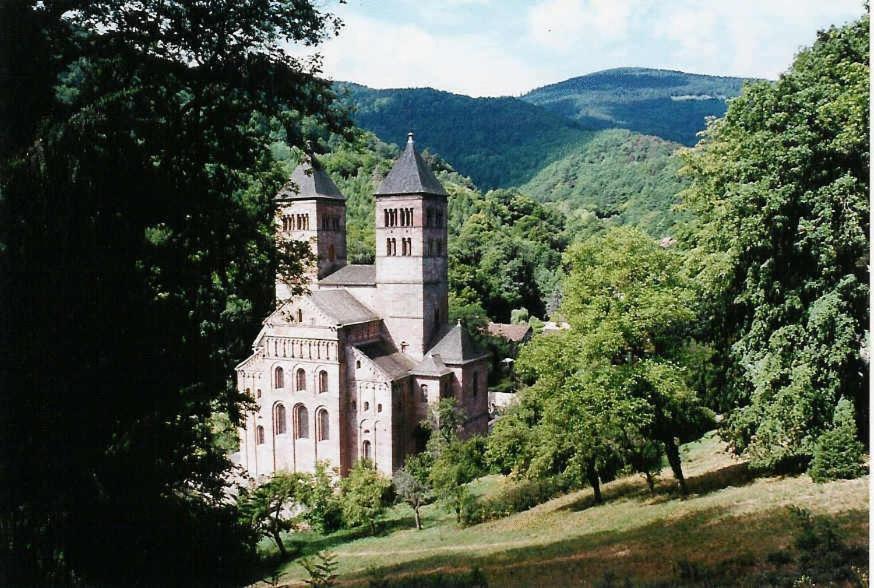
{"points": [[506, 47]]}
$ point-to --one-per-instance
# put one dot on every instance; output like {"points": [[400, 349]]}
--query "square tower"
{"points": [[311, 208], [411, 260]]}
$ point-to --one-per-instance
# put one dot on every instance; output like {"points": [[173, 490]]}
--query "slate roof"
{"points": [[510, 332], [455, 346], [308, 182], [351, 275], [389, 359], [410, 175], [431, 365], [342, 307]]}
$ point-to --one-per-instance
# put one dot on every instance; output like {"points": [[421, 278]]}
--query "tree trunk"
{"points": [[278, 539], [674, 459], [416, 513], [592, 475], [650, 482]]}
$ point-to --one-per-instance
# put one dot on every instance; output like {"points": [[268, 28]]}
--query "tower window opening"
{"points": [[279, 420], [423, 389], [259, 435], [301, 422], [366, 449], [278, 378], [323, 423], [301, 383]]}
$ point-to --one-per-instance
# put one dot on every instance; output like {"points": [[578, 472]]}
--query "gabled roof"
{"points": [[455, 346], [410, 175], [351, 275], [342, 307], [308, 182], [431, 365], [394, 363], [510, 332]]}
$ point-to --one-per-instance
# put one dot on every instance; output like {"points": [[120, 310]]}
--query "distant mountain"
{"points": [[498, 142], [667, 104]]}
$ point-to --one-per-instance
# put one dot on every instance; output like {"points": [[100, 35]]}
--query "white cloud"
{"points": [[562, 24], [385, 55]]}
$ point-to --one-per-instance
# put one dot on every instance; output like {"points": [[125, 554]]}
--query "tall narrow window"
{"points": [[301, 422], [475, 384], [278, 378], [301, 379], [259, 435], [423, 390], [323, 424], [323, 381], [404, 346], [279, 420], [299, 315], [365, 450]]}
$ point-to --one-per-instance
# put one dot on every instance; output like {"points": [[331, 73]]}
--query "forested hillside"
{"points": [[669, 104], [498, 142], [619, 177]]}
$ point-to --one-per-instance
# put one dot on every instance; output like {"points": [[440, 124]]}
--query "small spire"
{"points": [[410, 137], [458, 323]]}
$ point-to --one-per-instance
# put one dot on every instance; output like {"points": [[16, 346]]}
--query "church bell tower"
{"points": [[411, 245], [311, 208]]}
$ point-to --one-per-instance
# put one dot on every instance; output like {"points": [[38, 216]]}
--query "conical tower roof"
{"points": [[456, 346], [309, 181], [410, 175]]}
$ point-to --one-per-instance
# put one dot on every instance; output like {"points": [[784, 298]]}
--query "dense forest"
{"points": [[669, 104], [142, 150]]}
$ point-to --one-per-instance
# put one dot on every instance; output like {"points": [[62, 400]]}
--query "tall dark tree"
{"points": [[136, 256], [780, 192]]}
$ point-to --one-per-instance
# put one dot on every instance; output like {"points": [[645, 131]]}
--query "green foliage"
{"points": [[323, 509], [519, 315], [499, 142], [617, 178], [474, 578], [321, 569], [669, 104], [518, 497], [363, 495], [838, 453], [780, 247], [412, 483], [273, 507], [823, 556], [505, 253], [137, 252]]}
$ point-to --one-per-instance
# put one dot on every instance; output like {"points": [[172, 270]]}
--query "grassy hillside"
{"points": [[618, 177], [735, 529], [668, 104], [498, 142]]}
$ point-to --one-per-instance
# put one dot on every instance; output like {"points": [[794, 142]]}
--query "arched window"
{"points": [[358, 364], [404, 346], [366, 406], [323, 432], [258, 393], [301, 422], [301, 380], [279, 420], [323, 381], [259, 435], [278, 378], [379, 408], [248, 391], [475, 384], [423, 389], [365, 450], [299, 315]]}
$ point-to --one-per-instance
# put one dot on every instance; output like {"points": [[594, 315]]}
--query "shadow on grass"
{"points": [[734, 475], [704, 548], [309, 544]]}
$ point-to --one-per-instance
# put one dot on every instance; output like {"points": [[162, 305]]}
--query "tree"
{"points": [[274, 507], [323, 510], [412, 483], [838, 453], [780, 246], [137, 260], [363, 495]]}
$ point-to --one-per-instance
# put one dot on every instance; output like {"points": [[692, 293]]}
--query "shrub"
{"points": [[838, 453], [519, 497]]}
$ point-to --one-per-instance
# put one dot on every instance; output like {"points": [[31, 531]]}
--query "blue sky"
{"points": [[506, 47]]}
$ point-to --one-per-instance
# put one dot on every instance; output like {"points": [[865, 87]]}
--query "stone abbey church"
{"points": [[348, 370]]}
